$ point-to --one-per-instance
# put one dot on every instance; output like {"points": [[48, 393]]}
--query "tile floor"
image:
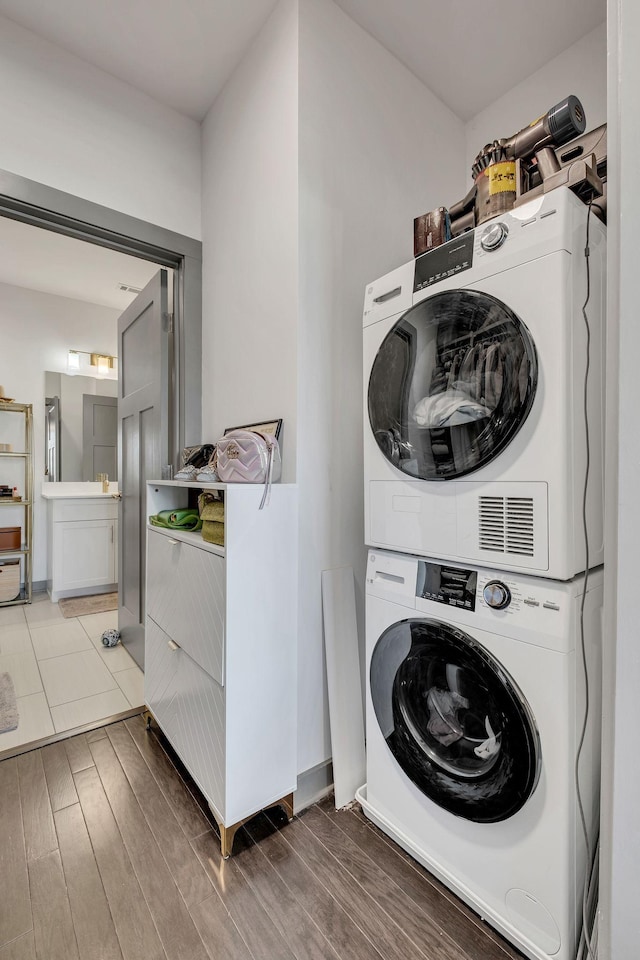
{"points": [[63, 676]]}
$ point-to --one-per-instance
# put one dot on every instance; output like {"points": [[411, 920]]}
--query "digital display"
{"points": [[449, 585], [444, 261]]}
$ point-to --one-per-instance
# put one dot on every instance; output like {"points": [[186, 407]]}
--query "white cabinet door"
{"points": [[189, 706], [84, 554], [186, 597]]}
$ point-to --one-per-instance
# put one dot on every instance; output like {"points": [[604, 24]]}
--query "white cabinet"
{"points": [[82, 547], [220, 648]]}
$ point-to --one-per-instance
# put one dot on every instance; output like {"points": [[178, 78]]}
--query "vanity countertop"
{"points": [[77, 491]]}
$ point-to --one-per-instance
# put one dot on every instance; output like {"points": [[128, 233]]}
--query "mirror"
{"points": [[80, 427]]}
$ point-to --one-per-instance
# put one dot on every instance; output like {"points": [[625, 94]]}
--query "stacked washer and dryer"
{"points": [[478, 366]]}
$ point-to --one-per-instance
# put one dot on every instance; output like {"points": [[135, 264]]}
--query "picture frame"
{"points": [[270, 427]]}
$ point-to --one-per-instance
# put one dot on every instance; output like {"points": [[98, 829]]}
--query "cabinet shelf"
{"points": [[21, 598]]}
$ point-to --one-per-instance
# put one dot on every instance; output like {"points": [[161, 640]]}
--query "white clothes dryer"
{"points": [[475, 360], [475, 701]]}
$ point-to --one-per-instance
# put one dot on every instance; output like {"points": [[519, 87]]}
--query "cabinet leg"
{"points": [[227, 836], [147, 716]]}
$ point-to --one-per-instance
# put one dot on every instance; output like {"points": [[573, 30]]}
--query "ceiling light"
{"points": [[73, 360]]}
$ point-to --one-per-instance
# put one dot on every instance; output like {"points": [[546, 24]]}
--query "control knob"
{"points": [[497, 595], [494, 236]]}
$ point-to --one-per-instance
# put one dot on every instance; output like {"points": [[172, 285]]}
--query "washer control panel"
{"points": [[496, 594], [514, 597], [493, 236]]}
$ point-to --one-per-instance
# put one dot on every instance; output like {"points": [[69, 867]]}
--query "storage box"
{"points": [[430, 230], [10, 538], [9, 579]]}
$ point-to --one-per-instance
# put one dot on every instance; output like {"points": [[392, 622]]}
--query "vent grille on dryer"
{"points": [[506, 525]]}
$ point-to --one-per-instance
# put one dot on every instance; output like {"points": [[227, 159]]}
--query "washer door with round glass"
{"points": [[451, 385], [454, 720]]}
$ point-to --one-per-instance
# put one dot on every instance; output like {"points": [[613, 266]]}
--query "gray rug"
{"points": [[83, 606], [8, 704]]}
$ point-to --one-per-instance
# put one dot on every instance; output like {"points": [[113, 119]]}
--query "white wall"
{"points": [[37, 331], [74, 127], [250, 235], [620, 851], [332, 158], [368, 129], [581, 70]]}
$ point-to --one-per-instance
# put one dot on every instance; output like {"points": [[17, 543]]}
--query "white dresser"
{"points": [[220, 648]]}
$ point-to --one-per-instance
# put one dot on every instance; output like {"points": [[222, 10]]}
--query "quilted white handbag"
{"points": [[245, 456]]}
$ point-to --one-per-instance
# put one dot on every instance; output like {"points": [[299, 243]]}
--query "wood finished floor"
{"points": [[106, 855]]}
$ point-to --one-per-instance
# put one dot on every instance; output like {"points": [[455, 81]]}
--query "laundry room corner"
{"points": [[316, 155], [367, 163]]}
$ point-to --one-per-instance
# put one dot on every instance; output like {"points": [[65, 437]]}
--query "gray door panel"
{"points": [[99, 436], [143, 442]]}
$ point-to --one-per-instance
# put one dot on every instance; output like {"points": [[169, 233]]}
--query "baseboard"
{"points": [[314, 784], [39, 586]]}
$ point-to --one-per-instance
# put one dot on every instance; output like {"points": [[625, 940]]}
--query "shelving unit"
{"points": [[26, 548], [221, 647]]}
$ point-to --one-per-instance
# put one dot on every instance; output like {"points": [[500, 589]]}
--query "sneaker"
{"points": [[208, 474], [186, 473]]}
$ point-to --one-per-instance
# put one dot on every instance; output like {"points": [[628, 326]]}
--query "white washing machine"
{"points": [[475, 359], [475, 704]]}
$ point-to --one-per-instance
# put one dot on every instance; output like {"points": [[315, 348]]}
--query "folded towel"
{"points": [[187, 519]]}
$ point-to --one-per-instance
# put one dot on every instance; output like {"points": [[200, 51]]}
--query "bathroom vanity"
{"points": [[82, 539]]}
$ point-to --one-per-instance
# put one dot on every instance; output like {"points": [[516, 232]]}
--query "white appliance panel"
{"points": [[540, 274]]}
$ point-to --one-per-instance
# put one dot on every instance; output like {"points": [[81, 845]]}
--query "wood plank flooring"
{"points": [[107, 854]]}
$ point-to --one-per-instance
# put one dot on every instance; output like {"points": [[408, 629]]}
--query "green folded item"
{"points": [[213, 511], [213, 532], [187, 519]]}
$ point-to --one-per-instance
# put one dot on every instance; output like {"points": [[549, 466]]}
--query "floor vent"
{"points": [[506, 525]]}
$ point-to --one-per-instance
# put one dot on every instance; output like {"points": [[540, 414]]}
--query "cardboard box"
{"points": [[9, 580], [430, 230]]}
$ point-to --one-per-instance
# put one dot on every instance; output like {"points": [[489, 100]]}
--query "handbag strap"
{"points": [[266, 496]]}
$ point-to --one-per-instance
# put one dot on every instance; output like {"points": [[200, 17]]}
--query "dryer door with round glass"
{"points": [[454, 720], [451, 385]]}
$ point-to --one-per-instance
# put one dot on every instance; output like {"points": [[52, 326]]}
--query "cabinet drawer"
{"points": [[186, 598], [189, 706], [85, 510]]}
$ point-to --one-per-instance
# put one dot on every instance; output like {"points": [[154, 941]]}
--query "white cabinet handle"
{"points": [[172, 542], [173, 645]]}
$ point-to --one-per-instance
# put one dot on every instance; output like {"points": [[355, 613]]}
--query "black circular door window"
{"points": [[454, 720], [451, 385]]}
